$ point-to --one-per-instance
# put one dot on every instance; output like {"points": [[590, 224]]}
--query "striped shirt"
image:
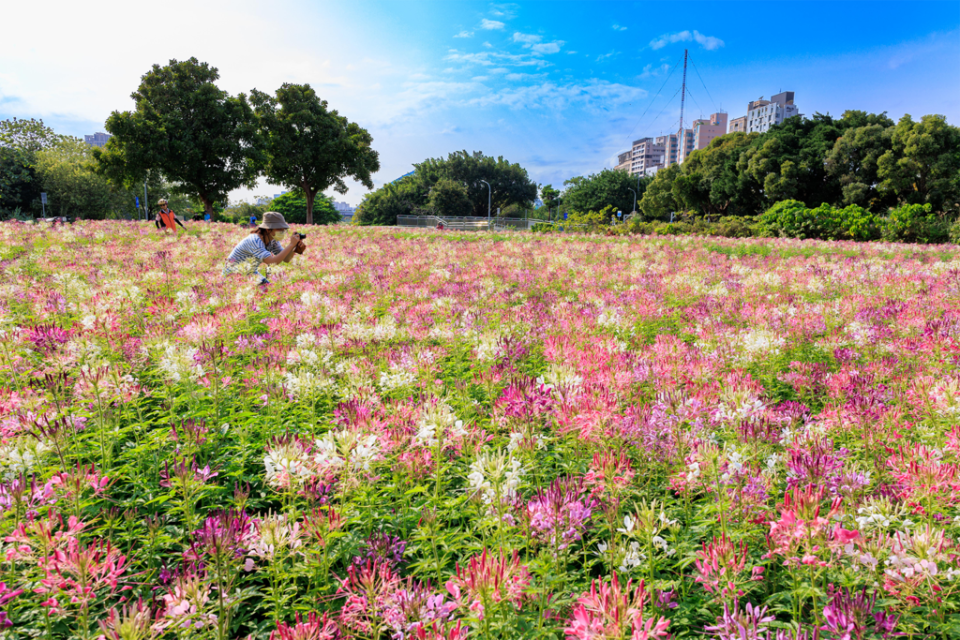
{"points": [[252, 251]]}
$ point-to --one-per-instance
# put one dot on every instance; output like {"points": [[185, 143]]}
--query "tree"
{"points": [[19, 185], [20, 140], [310, 148], [294, 207], [854, 160], [68, 174], [923, 163], [411, 195], [29, 136], [550, 196], [509, 183], [658, 199], [788, 160], [449, 198], [710, 183], [184, 126], [610, 187], [382, 206]]}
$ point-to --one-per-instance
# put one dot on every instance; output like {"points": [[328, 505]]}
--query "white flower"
{"points": [[495, 476], [628, 524]]}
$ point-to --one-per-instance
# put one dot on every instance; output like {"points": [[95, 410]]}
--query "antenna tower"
{"points": [[683, 95]]}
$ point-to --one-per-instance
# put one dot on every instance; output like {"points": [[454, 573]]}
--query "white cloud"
{"points": [[617, 27], [491, 25], [606, 56], [488, 45], [464, 34], [594, 96], [491, 58], [507, 10], [707, 42], [547, 47], [527, 38], [650, 71]]}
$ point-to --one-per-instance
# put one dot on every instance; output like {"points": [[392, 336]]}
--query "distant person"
{"points": [[263, 245], [206, 217], [167, 219], [253, 220]]}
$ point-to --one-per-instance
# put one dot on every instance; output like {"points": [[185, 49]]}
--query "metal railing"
{"points": [[469, 223]]}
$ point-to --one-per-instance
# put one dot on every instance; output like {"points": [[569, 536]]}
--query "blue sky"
{"points": [[560, 87]]}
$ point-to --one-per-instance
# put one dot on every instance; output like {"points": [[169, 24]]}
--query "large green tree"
{"points": [[27, 135], [67, 172], [310, 147], [184, 126], [20, 141], [294, 207], [709, 181], [923, 165], [509, 182], [855, 158], [788, 160], [449, 199], [19, 185], [610, 187], [658, 198], [398, 198]]}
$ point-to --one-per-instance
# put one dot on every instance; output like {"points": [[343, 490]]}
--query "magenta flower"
{"points": [[748, 624], [609, 612], [6, 595], [314, 628], [559, 514]]}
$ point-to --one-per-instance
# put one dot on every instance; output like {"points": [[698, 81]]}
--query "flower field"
{"points": [[429, 435]]}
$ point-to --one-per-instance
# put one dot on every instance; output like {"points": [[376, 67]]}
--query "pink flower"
{"points": [[609, 612]]}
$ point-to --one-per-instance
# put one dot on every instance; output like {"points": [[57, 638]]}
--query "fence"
{"points": [[469, 223]]}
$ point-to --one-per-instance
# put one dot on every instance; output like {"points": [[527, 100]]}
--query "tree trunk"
{"points": [[207, 205], [311, 195]]}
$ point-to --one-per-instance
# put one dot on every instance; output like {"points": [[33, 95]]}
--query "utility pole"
{"points": [[489, 195], [146, 203], [681, 142]]}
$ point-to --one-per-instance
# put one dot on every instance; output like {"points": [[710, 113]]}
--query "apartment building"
{"points": [[763, 114], [97, 140], [686, 147], [705, 130], [738, 124], [644, 154]]}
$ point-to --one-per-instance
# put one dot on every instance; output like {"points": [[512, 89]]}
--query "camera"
{"points": [[302, 236]]}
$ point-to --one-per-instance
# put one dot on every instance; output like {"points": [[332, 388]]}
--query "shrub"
{"points": [[857, 223], [792, 219], [732, 227], [785, 218], [915, 223]]}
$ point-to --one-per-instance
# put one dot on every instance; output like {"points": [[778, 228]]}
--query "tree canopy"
{"points": [[293, 206], [310, 147], [196, 134], [858, 159], [510, 185], [610, 187]]}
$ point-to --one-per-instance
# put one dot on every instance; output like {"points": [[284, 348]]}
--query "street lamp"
{"points": [[634, 200], [489, 198]]}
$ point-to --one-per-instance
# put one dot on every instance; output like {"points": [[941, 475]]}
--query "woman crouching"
{"points": [[263, 246]]}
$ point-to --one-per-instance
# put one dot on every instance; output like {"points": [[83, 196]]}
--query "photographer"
{"points": [[262, 245]]}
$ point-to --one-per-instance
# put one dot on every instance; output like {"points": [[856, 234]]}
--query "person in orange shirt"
{"points": [[167, 218]]}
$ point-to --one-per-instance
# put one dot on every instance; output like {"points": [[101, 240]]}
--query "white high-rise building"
{"points": [[763, 114]]}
